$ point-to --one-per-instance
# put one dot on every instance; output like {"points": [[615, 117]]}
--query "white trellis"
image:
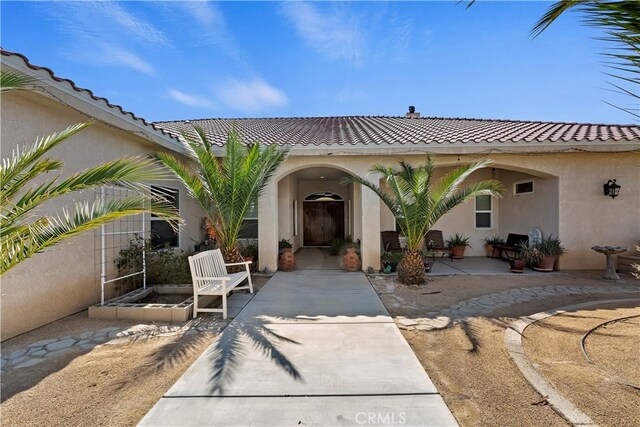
{"points": [[116, 236]]}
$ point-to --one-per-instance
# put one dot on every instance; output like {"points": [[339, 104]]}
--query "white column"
{"points": [[268, 227], [370, 219]]}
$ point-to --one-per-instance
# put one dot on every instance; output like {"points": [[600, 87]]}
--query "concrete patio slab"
{"points": [[482, 266], [410, 410], [320, 359], [316, 281]]}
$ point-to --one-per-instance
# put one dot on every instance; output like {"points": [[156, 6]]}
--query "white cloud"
{"points": [[336, 35], [134, 26], [250, 96], [190, 100]]}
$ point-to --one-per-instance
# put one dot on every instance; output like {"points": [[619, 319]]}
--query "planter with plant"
{"points": [[390, 260], [351, 259], [458, 244], [517, 263], [287, 261], [250, 253], [550, 249], [490, 245]]}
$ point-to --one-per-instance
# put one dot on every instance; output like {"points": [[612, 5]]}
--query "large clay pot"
{"points": [[491, 251], [351, 260], [287, 260], [517, 265], [252, 266], [457, 252], [547, 263]]}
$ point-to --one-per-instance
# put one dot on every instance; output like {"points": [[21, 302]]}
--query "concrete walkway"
{"points": [[313, 348]]}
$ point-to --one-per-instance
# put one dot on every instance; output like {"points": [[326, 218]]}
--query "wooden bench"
{"points": [[210, 277], [391, 241], [511, 246]]}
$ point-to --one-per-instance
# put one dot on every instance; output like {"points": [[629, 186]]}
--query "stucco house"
{"points": [[553, 172]]}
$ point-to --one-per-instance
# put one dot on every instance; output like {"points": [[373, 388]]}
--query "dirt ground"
{"points": [[468, 362], [601, 389], [111, 385]]}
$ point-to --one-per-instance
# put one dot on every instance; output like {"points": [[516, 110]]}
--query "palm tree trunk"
{"points": [[411, 269], [232, 255]]}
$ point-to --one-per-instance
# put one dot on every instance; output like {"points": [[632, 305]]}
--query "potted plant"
{"points": [[287, 260], [391, 260], [517, 263], [549, 250], [458, 243], [490, 243], [351, 259], [250, 253]]}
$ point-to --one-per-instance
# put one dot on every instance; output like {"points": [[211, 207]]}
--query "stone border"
{"points": [[513, 344], [485, 304]]}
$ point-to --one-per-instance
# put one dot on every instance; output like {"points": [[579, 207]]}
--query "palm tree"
{"points": [[24, 231], [227, 187], [417, 203]]}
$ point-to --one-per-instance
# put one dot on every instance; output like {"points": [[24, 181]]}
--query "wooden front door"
{"points": [[322, 222]]}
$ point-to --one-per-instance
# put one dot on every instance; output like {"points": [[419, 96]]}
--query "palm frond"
{"points": [[15, 81]]}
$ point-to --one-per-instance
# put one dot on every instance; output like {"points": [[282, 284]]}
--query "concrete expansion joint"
{"points": [[513, 344]]}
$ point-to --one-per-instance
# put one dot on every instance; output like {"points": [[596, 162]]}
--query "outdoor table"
{"points": [[608, 251]]}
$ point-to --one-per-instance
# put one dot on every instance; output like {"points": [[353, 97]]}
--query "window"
{"points": [[523, 187], [249, 228], [483, 212], [162, 235]]}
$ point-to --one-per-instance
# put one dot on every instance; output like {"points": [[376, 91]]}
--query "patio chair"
{"points": [[510, 248], [435, 243], [391, 241]]}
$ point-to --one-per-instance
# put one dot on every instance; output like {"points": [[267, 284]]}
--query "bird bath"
{"points": [[608, 251]]}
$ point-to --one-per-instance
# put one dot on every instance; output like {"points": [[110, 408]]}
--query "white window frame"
{"points": [[515, 186], [477, 211], [152, 218]]}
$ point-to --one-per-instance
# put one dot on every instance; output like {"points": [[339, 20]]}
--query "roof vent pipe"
{"points": [[412, 113]]}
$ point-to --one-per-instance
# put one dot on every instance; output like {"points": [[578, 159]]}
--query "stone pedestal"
{"points": [[609, 251]]}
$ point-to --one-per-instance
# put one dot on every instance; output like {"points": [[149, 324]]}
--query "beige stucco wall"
{"points": [[568, 201], [62, 281]]}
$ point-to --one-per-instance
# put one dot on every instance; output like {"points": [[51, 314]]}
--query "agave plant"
{"points": [[25, 230], [418, 203], [225, 187]]}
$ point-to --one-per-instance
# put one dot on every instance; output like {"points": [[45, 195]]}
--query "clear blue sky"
{"points": [[179, 60]]}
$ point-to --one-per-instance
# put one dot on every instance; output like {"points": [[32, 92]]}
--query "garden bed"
{"points": [[160, 303]]}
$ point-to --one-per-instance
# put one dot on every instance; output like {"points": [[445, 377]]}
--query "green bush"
{"points": [[166, 266]]}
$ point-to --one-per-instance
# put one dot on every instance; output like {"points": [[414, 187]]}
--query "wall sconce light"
{"points": [[611, 189]]}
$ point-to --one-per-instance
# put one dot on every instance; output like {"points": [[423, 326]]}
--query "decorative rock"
{"points": [[59, 345], [106, 330], [86, 335], [17, 354], [34, 350], [82, 342], [42, 352], [406, 322], [57, 352], [30, 362], [87, 346], [18, 360], [99, 339], [113, 334], [41, 343]]}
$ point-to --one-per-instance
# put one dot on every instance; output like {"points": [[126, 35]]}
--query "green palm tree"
{"points": [[25, 230], [226, 187], [418, 203]]}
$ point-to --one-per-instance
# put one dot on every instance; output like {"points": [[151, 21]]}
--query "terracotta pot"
{"points": [[351, 260], [547, 263], [287, 260], [517, 265], [457, 252], [491, 251]]}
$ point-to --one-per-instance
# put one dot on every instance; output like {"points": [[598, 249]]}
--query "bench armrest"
{"points": [[239, 263]]}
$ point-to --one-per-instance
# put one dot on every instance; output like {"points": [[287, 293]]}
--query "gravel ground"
{"points": [[553, 346], [468, 362], [111, 385]]}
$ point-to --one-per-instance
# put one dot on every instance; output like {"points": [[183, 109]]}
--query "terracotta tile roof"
{"points": [[151, 126], [379, 130]]}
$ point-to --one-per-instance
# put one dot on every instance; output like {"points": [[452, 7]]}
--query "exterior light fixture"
{"points": [[611, 189]]}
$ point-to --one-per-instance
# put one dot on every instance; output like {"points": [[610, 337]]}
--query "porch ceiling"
{"points": [[316, 173]]}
